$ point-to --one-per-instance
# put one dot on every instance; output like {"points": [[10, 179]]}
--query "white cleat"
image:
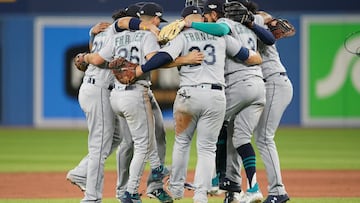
{"points": [[252, 195]]}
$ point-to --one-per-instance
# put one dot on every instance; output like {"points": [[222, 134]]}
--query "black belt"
{"points": [[216, 87], [208, 86], [92, 81], [281, 73], [128, 87]]}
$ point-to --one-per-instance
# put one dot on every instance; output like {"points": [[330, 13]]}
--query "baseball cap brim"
{"points": [[163, 20]]}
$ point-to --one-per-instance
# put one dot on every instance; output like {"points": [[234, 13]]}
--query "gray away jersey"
{"points": [[248, 39], [211, 70], [132, 45], [271, 60], [98, 44]]}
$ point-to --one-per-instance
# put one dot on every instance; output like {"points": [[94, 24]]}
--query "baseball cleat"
{"points": [[234, 197], [80, 182], [215, 187], [189, 186], [161, 195], [159, 173], [277, 199], [130, 198], [228, 185], [253, 195]]}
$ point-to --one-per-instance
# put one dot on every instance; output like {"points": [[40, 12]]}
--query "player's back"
{"points": [[98, 44], [271, 60], [248, 39], [211, 70], [135, 46]]}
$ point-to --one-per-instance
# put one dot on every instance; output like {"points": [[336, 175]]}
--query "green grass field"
{"points": [[32, 150]]}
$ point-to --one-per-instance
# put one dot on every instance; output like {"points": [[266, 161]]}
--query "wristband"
{"points": [[134, 24]]}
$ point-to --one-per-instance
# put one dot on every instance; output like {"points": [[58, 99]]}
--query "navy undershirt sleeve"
{"points": [[158, 60], [243, 54], [263, 34]]}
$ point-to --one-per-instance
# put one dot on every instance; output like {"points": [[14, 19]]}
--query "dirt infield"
{"points": [[299, 183]]}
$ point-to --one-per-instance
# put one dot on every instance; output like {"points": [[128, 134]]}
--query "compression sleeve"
{"points": [[263, 34], [243, 54], [158, 60], [217, 29]]}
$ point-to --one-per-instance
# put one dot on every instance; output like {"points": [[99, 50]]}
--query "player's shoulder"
{"points": [[258, 19], [146, 35], [226, 21]]}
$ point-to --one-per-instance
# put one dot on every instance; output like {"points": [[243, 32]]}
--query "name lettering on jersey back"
{"points": [[241, 29], [199, 36], [128, 38]]}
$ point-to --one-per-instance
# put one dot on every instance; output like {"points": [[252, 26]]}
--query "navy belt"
{"points": [[281, 73]]}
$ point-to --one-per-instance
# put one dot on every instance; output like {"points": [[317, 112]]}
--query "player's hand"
{"points": [[79, 62], [138, 71], [154, 29], [254, 58], [194, 57], [149, 26], [100, 27], [188, 22]]}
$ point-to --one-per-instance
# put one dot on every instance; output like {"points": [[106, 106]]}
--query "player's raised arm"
{"points": [[96, 29], [131, 23]]}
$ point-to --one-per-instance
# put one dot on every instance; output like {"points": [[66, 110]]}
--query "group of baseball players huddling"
{"points": [[232, 86]]}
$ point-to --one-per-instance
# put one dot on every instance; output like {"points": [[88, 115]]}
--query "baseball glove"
{"points": [[236, 11], [124, 71], [80, 63], [281, 28], [170, 31]]}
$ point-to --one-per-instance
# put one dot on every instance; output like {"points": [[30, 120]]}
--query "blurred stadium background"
{"points": [[39, 38]]}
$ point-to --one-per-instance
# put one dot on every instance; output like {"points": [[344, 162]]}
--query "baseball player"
{"points": [[200, 101], [221, 29], [78, 175], [279, 92], [132, 101], [245, 95], [125, 150], [94, 100]]}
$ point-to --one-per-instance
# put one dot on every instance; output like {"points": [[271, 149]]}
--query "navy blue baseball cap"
{"points": [[214, 5], [190, 10], [152, 9], [132, 10]]}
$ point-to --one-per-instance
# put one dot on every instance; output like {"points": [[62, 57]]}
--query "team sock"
{"points": [[221, 151], [248, 157]]}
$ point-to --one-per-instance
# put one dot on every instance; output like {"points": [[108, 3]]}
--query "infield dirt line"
{"points": [[299, 183]]}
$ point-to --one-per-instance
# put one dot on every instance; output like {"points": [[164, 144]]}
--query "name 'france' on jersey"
{"points": [[249, 40], [132, 45], [98, 44], [211, 70]]}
